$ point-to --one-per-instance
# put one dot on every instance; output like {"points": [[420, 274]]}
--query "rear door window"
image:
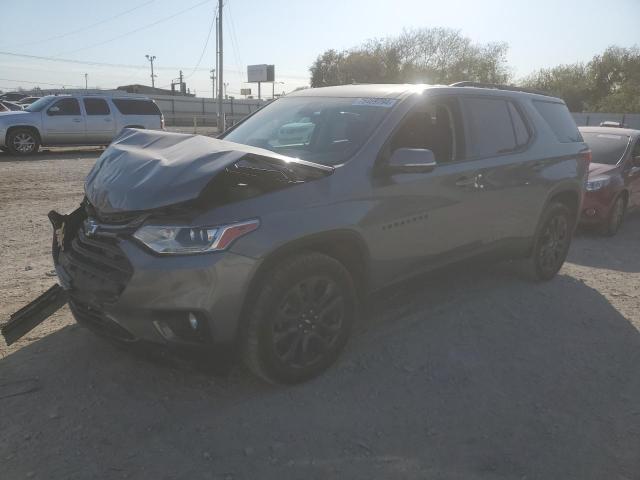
{"points": [[136, 107], [96, 106], [490, 127], [557, 116]]}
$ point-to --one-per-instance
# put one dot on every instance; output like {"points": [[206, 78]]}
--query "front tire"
{"points": [[301, 319], [552, 242], [614, 220], [23, 141]]}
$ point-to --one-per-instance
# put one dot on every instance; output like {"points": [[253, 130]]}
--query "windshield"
{"points": [[607, 148], [317, 129], [38, 105]]}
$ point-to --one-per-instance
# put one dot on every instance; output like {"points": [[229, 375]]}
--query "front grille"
{"points": [[116, 218], [98, 322], [96, 265]]}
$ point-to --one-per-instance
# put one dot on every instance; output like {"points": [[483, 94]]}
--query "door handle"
{"points": [[473, 182], [107, 119], [77, 120]]}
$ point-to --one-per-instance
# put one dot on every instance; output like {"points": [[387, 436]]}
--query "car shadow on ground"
{"points": [[620, 252], [54, 154], [469, 373]]}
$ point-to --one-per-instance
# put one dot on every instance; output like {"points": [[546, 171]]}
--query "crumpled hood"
{"points": [[600, 169], [147, 169]]}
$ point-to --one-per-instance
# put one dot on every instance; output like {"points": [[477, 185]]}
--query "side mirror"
{"points": [[53, 110], [411, 160]]}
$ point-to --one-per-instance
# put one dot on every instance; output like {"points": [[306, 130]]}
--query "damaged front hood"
{"points": [[147, 169]]}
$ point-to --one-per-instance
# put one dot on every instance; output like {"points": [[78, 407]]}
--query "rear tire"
{"points": [[615, 218], [23, 141], [552, 242], [301, 319]]}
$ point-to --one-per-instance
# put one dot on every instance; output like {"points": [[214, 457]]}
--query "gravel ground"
{"points": [[472, 373]]}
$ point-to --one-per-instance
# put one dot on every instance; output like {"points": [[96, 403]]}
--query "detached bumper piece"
{"points": [[33, 314]]}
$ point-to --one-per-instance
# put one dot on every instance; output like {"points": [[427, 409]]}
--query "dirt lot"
{"points": [[468, 374]]}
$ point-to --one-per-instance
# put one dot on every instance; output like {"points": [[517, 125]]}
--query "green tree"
{"points": [[428, 55], [326, 69], [616, 80], [569, 82], [610, 82]]}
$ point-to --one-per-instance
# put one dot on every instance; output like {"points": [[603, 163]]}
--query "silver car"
{"points": [[75, 120]]}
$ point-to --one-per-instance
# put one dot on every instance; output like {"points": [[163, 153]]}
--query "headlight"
{"points": [[175, 240], [596, 184]]}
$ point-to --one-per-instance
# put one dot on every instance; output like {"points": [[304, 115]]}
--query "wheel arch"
{"points": [[33, 128], [569, 196], [346, 246]]}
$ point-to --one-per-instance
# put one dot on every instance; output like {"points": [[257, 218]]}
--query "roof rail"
{"points": [[497, 86]]}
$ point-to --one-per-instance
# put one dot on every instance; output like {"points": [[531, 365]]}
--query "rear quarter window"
{"points": [[557, 116], [136, 107]]}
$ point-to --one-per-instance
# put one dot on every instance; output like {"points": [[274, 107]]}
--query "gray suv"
{"points": [[270, 238]]}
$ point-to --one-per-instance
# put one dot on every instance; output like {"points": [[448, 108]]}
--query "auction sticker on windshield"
{"points": [[375, 102]]}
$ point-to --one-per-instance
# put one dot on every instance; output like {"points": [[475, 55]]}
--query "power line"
{"points": [[234, 44], [204, 48], [121, 65], [87, 27], [131, 32], [39, 83], [85, 62]]}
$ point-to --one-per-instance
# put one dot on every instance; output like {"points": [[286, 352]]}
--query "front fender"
{"points": [[21, 120]]}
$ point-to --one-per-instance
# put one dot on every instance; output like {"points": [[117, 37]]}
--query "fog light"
{"points": [[193, 321], [590, 212]]}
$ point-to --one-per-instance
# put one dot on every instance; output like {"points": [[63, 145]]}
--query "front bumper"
{"points": [[159, 297], [596, 206]]}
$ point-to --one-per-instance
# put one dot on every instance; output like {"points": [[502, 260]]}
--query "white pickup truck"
{"points": [[58, 120]]}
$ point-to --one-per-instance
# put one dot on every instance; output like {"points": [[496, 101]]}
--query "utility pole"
{"points": [[221, 125], [85, 81], [217, 67], [151, 58], [213, 83]]}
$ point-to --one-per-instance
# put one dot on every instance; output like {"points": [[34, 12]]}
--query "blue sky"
{"points": [[289, 34]]}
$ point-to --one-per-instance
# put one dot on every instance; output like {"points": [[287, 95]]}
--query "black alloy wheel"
{"points": [[552, 242], [308, 322], [300, 319]]}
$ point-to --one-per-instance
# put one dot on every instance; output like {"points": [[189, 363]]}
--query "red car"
{"points": [[613, 186]]}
